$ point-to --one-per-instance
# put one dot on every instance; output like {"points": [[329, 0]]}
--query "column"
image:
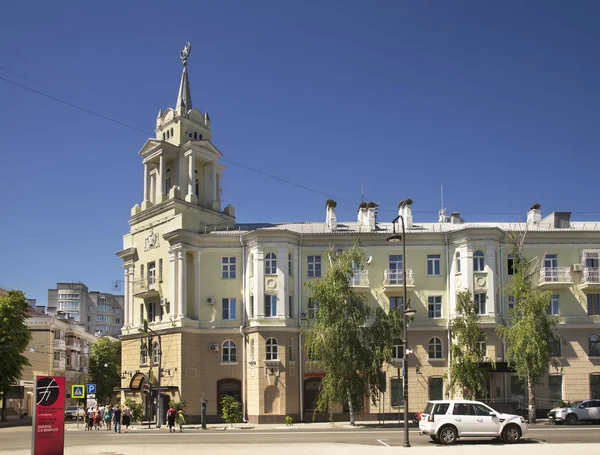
{"points": [[282, 281], [490, 266], [153, 187], [181, 284], [296, 269], [146, 185], [172, 283], [259, 283], [126, 302], [196, 279], [190, 196], [129, 284], [161, 178], [213, 181], [207, 192]]}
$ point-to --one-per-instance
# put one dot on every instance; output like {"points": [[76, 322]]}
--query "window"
{"points": [[593, 304], [197, 188], [228, 309], [478, 261], [229, 352], [291, 356], [396, 303], [550, 267], [143, 353], [314, 266], [141, 313], [290, 265], [271, 353], [555, 346], [271, 264], [480, 303], [555, 387], [483, 348], [117, 320], [458, 262], [396, 271], [290, 306], [397, 390], [155, 352], [102, 318], [592, 259], [398, 350], [436, 391], [142, 271], [433, 265], [151, 273], [251, 306], [313, 308], [150, 307], [595, 386], [435, 348], [553, 307], [270, 306], [511, 264], [511, 302], [228, 267], [594, 346], [167, 185], [434, 304], [160, 270]]}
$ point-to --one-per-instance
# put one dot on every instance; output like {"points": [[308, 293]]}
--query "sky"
{"points": [[498, 102]]}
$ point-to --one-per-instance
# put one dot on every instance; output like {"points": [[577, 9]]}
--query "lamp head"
{"points": [[396, 238], [409, 312]]}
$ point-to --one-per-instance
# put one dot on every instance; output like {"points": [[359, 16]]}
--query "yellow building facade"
{"points": [[228, 300]]}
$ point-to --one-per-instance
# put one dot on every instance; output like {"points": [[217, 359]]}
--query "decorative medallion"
{"points": [[152, 240], [480, 281], [271, 283]]}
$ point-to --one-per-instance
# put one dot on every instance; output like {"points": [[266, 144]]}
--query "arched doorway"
{"points": [[231, 387], [271, 400]]}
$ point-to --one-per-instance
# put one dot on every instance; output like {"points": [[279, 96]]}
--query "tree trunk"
{"points": [[3, 418], [531, 394], [350, 408]]}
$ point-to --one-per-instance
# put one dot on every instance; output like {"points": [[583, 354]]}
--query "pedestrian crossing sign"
{"points": [[77, 391]]}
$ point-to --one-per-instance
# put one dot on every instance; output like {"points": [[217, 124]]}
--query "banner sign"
{"points": [[49, 416]]}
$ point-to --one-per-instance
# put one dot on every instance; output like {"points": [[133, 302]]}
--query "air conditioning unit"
{"points": [[577, 267], [214, 347], [210, 300]]}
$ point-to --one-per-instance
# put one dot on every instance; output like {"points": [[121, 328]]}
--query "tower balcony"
{"points": [[555, 277], [60, 345], [393, 280], [146, 287], [590, 279], [360, 281]]}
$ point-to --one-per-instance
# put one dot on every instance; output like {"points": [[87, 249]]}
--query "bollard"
{"points": [[203, 414]]}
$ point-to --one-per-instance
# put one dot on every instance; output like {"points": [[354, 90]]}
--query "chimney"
{"points": [[535, 214], [362, 214], [372, 215], [405, 210], [455, 218], [330, 218]]}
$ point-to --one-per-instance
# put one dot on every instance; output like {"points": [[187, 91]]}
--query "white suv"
{"points": [[447, 420]]}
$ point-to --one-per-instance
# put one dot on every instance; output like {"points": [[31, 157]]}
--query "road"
{"points": [[19, 439]]}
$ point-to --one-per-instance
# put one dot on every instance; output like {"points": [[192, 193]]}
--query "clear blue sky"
{"points": [[496, 101]]}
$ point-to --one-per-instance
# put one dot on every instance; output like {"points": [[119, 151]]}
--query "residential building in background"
{"points": [[229, 299], [100, 313]]}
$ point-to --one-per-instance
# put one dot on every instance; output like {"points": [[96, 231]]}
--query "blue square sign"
{"points": [[91, 388]]}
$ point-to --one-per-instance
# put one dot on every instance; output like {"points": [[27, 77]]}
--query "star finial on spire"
{"points": [[185, 53]]}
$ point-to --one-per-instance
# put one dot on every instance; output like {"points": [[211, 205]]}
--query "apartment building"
{"points": [[100, 313], [229, 299]]}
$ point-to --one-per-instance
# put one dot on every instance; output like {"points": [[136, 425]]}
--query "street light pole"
{"points": [[406, 311]]}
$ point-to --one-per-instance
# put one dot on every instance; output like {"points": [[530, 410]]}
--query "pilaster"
{"points": [[282, 281], [196, 255], [259, 283]]}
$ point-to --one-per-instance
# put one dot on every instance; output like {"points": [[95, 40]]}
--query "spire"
{"points": [[184, 97]]}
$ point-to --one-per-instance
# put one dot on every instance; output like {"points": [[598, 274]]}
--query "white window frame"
{"points": [[271, 264], [458, 266], [397, 350], [228, 309], [438, 348], [435, 302], [478, 261], [271, 352], [480, 303], [229, 352], [554, 306], [314, 266], [434, 265], [228, 267]]}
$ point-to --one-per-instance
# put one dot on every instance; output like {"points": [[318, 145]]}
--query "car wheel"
{"points": [[571, 419], [511, 434], [447, 435], [434, 439]]}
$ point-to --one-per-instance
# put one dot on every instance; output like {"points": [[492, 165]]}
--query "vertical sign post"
{"points": [[48, 436]]}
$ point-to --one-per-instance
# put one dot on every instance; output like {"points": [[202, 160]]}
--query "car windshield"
{"points": [[71, 408], [575, 404]]}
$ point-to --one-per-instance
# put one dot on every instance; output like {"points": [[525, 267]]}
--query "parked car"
{"points": [[445, 421], [74, 411], [588, 410]]}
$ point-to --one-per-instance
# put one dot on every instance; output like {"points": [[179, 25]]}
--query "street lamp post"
{"points": [[406, 312]]}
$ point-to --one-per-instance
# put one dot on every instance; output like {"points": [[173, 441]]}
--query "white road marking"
{"points": [[381, 442]]}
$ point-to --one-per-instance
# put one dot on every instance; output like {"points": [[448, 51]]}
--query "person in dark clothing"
{"points": [[117, 419], [171, 415]]}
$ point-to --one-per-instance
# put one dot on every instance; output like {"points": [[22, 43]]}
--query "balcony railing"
{"points": [[60, 345], [145, 285], [59, 364], [360, 279], [550, 275], [591, 275], [395, 277]]}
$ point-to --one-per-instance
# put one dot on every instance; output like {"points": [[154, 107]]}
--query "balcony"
{"points": [[146, 287], [60, 345], [555, 277], [393, 280], [73, 344], [59, 364], [360, 281], [590, 279]]}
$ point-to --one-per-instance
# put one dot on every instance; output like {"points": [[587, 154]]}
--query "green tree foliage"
{"points": [[231, 409], [137, 410], [14, 338], [105, 368], [178, 405], [349, 340], [465, 374], [530, 332]]}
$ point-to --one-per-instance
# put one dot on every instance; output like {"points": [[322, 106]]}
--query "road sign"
{"points": [[91, 395], [77, 391], [91, 388]]}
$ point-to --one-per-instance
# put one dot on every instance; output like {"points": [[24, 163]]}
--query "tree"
{"points": [[346, 337], [105, 368], [464, 373], [231, 409], [530, 332], [14, 338], [137, 410]]}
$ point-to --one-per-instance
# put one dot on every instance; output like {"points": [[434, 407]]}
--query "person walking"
{"points": [[117, 419], [90, 418], [126, 417], [180, 420], [108, 416], [171, 414]]}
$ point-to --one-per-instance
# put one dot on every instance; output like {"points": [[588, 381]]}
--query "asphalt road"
{"points": [[20, 438]]}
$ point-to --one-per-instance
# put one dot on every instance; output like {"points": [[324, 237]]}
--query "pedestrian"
{"points": [[117, 419], [97, 418], [107, 416], [180, 420], [90, 418], [126, 418], [171, 414]]}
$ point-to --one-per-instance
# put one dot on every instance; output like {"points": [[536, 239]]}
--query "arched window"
{"points": [[478, 261], [458, 262], [271, 353], [199, 137], [435, 348], [271, 264], [143, 353], [171, 132], [229, 351], [155, 352], [594, 350]]}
